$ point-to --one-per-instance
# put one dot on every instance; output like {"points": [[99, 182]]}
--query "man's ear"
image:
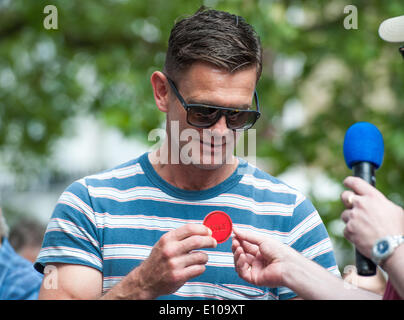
{"points": [[160, 90]]}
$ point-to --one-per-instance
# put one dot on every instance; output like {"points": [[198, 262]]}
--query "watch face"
{"points": [[383, 246]]}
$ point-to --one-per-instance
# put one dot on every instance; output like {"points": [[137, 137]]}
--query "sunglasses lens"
{"points": [[207, 116], [203, 116], [240, 120]]}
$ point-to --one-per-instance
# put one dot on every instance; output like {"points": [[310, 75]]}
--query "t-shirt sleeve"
{"points": [[309, 236], [71, 234]]}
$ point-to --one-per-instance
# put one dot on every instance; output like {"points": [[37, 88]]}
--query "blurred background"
{"points": [[77, 99]]}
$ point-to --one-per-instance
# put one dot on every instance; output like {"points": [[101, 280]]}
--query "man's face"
{"points": [[206, 84]]}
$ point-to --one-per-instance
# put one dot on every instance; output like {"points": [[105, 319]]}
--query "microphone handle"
{"points": [[366, 171]]}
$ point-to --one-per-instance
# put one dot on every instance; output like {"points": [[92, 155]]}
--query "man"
{"points": [[374, 224], [18, 278], [26, 238], [136, 232]]}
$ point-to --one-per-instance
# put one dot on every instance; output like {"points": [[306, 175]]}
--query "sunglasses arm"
{"points": [[176, 92]]}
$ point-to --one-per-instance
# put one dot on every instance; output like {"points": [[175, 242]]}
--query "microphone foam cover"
{"points": [[363, 142], [392, 29]]}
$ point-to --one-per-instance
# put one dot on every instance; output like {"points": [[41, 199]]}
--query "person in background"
{"points": [[26, 238], [18, 278], [376, 283]]}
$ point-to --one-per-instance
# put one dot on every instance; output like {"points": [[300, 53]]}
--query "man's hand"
{"points": [[170, 264], [264, 261], [260, 260], [172, 260], [369, 215]]}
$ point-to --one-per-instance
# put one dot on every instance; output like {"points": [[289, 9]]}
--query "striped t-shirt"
{"points": [[111, 220]]}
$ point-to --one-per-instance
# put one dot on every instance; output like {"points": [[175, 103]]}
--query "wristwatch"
{"points": [[384, 247]]}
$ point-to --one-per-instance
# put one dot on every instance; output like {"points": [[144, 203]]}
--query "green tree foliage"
{"points": [[100, 59]]}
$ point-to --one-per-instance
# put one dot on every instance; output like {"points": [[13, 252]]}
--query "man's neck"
{"points": [[191, 177]]}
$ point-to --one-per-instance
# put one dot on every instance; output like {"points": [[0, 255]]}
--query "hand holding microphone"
{"points": [[373, 223], [363, 152], [369, 216]]}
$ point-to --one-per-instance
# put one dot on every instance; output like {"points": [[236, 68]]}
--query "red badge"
{"points": [[220, 224]]}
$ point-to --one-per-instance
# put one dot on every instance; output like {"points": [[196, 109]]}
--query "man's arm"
{"points": [[172, 261], [394, 267], [79, 282], [266, 262], [70, 281], [311, 281]]}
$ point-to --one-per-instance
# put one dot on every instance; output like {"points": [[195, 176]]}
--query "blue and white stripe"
{"points": [[110, 221]]}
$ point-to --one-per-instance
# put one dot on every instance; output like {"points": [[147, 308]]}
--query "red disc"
{"points": [[220, 224]]}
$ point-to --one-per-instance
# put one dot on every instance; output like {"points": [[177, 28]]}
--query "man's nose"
{"points": [[220, 127]]}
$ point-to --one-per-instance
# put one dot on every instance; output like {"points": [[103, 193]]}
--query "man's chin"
{"points": [[207, 166], [212, 162]]}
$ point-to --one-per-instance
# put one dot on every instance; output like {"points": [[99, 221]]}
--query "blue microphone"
{"points": [[363, 153]]}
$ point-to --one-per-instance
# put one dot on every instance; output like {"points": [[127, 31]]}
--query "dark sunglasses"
{"points": [[205, 116]]}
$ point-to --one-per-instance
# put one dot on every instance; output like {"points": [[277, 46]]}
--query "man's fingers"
{"points": [[239, 258], [196, 242], [248, 236], [185, 239], [192, 271], [242, 259], [250, 248], [359, 186], [190, 259], [241, 263], [190, 229], [345, 216], [234, 244], [348, 197]]}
